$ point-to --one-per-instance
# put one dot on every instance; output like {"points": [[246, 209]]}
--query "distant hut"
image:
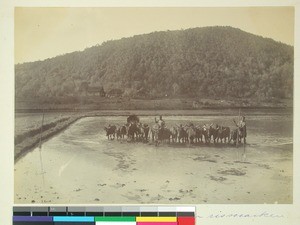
{"points": [[86, 89], [113, 93], [96, 90]]}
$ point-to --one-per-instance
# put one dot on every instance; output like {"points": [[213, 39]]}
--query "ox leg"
{"points": [[156, 142], [189, 141]]}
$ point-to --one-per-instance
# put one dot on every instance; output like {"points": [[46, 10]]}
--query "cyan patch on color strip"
{"points": [[73, 219]]}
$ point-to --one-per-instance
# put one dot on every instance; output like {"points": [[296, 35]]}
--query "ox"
{"points": [[182, 134], [191, 134], [213, 133], [224, 133], [160, 134], [121, 132], [133, 131], [145, 131], [110, 131]]}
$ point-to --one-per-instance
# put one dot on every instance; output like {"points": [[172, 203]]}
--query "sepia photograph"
{"points": [[161, 105]]}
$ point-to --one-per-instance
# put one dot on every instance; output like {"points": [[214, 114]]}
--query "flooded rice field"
{"points": [[80, 165]]}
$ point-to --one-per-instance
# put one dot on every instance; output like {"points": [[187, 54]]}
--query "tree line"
{"points": [[210, 62]]}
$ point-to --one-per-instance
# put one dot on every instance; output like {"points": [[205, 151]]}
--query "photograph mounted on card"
{"points": [[154, 105]]}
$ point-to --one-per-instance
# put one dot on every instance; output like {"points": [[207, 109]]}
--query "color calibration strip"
{"points": [[107, 215]]}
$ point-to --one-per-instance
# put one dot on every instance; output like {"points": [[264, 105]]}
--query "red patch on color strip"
{"points": [[186, 220]]}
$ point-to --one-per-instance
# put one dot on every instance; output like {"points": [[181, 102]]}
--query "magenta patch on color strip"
{"points": [[156, 223]]}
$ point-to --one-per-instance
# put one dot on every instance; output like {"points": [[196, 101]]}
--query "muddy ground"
{"points": [[80, 165]]}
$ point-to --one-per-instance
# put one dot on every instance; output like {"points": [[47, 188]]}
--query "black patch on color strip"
{"points": [[173, 214], [22, 214], [131, 213], [94, 214], [75, 213], [112, 213], [185, 214], [149, 214], [57, 213], [40, 213]]}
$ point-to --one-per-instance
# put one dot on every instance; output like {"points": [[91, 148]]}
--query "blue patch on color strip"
{"points": [[32, 218]]}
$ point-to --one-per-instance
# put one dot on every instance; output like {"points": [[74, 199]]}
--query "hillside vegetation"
{"points": [[209, 62]]}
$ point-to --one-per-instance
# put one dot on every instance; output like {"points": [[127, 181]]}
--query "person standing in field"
{"points": [[242, 128], [160, 122]]}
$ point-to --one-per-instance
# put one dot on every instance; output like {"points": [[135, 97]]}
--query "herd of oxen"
{"points": [[136, 131]]}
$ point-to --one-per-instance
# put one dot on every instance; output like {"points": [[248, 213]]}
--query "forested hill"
{"points": [[210, 62]]}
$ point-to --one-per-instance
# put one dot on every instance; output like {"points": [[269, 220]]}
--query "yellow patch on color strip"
{"points": [[156, 219]]}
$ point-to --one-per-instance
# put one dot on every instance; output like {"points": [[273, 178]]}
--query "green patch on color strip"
{"points": [[115, 218]]}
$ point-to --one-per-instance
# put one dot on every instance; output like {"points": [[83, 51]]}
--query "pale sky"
{"points": [[42, 33]]}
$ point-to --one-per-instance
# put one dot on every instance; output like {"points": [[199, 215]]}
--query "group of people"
{"points": [[135, 130]]}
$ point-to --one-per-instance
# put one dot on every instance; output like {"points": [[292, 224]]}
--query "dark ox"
{"points": [[191, 134], [160, 134], [110, 131], [121, 132], [237, 135], [199, 135], [182, 135], [145, 132], [164, 135], [201, 132], [234, 136], [174, 134], [212, 133], [133, 131], [223, 133], [242, 134]]}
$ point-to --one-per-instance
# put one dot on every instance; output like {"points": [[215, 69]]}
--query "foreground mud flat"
{"points": [[81, 166]]}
